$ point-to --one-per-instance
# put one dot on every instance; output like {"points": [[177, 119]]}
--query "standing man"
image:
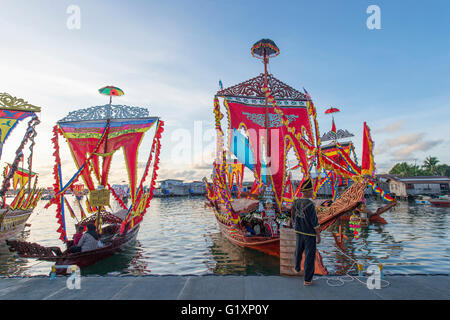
{"points": [[307, 228]]}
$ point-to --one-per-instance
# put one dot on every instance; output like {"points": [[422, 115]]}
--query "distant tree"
{"points": [[430, 165], [402, 169], [443, 170], [416, 170]]}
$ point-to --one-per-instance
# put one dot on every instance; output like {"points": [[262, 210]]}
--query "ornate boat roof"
{"points": [[8, 102], [253, 88], [106, 112], [340, 134]]}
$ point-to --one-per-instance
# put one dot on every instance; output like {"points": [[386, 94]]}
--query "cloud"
{"points": [[384, 167], [380, 149], [203, 166], [403, 147], [391, 127], [406, 152], [405, 139]]}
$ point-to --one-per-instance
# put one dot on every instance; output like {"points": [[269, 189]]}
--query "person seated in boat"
{"points": [[76, 239], [258, 227], [247, 227], [77, 236], [89, 240], [269, 212], [269, 216]]}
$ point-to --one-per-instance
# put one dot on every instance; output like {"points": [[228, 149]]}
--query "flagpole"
{"points": [[267, 126]]}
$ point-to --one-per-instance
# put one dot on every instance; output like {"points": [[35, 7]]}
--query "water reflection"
{"points": [[231, 259], [180, 236]]}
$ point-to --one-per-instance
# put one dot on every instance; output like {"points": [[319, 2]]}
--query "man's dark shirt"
{"points": [[305, 217]]}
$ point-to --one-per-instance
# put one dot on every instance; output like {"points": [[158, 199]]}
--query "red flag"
{"points": [[333, 128], [367, 165]]}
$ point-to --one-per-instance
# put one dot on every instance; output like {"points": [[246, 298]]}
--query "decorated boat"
{"points": [[267, 121], [19, 200], [94, 135]]}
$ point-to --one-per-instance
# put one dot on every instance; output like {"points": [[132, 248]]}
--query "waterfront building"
{"points": [[196, 188], [413, 186], [173, 187]]}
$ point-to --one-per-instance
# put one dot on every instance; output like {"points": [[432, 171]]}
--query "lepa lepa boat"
{"points": [[24, 192], [267, 119], [94, 135]]}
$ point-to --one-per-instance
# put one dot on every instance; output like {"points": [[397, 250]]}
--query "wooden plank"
{"points": [[288, 243], [287, 234], [286, 258], [287, 271], [288, 261]]}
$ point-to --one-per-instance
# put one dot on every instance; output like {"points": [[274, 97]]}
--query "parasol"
{"points": [[332, 110], [333, 127], [111, 91], [265, 48]]}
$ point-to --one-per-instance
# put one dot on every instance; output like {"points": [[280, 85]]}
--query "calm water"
{"points": [[180, 236]]}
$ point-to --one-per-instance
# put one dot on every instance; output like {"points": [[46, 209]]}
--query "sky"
{"points": [[168, 56]]}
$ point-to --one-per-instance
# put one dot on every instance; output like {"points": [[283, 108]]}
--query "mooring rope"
{"points": [[348, 277]]}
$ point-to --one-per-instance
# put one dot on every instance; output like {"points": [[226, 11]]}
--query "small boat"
{"points": [[95, 134], [14, 214], [238, 235], [113, 241], [423, 200], [442, 201], [13, 222], [46, 197]]}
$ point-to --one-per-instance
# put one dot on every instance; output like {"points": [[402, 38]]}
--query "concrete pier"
{"points": [[223, 288]]}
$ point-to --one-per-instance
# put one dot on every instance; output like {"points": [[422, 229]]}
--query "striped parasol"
{"points": [[111, 91]]}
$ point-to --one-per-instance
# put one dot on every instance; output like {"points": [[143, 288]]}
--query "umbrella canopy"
{"points": [[267, 46], [332, 110], [111, 91]]}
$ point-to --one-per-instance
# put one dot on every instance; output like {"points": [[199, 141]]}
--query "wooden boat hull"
{"points": [[13, 223], [85, 259], [440, 203], [270, 246]]}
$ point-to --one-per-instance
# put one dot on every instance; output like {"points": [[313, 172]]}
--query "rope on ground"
{"points": [[339, 281]]}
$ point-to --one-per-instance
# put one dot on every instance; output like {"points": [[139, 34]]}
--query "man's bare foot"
{"points": [[307, 283]]}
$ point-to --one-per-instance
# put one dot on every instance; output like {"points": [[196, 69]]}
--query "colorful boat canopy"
{"points": [[111, 91], [341, 155], [125, 134], [251, 117], [8, 121], [21, 176]]}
